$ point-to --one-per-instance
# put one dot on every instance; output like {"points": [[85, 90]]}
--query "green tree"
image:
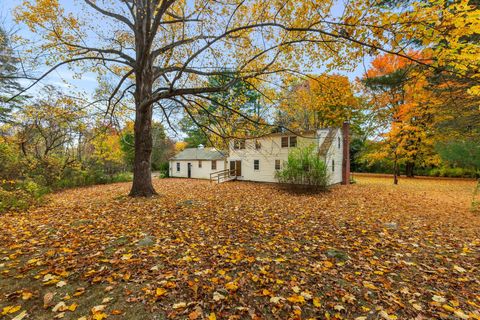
{"points": [[8, 78], [162, 146], [460, 153], [195, 135], [236, 112]]}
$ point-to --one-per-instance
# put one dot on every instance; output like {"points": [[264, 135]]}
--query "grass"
{"points": [[244, 250]]}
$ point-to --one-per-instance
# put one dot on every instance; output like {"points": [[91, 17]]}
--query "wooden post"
{"points": [[346, 153]]}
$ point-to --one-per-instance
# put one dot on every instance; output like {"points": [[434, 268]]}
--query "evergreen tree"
{"points": [[9, 85]]}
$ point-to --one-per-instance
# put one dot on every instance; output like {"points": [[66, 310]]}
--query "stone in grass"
{"points": [[337, 254], [391, 225], [120, 241], [81, 222], [147, 241], [186, 203]]}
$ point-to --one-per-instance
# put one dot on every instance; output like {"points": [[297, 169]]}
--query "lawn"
{"points": [[245, 251]]}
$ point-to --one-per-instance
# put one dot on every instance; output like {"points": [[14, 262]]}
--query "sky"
{"points": [[63, 77]]}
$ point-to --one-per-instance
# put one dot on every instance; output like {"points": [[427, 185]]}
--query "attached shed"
{"points": [[197, 163]]}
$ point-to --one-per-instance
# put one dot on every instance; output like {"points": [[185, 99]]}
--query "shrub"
{"points": [[454, 172], [10, 166], [164, 170], [16, 196], [304, 168], [122, 177]]}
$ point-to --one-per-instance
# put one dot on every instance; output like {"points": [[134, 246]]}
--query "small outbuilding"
{"points": [[197, 163]]}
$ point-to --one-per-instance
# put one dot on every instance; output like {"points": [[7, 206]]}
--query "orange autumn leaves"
{"points": [[244, 250], [405, 106], [317, 102]]}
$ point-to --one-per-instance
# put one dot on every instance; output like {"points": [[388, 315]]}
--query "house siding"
{"points": [[270, 150], [336, 154], [197, 173]]}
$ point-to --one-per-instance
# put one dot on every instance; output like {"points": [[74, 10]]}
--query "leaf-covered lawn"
{"points": [[245, 250]]}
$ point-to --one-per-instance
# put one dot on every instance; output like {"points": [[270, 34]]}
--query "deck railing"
{"points": [[222, 175]]}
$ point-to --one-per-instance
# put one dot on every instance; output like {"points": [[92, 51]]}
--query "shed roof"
{"points": [[199, 154]]}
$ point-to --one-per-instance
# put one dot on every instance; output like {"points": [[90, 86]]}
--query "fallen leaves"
{"points": [[47, 299], [21, 315], [179, 305], [296, 299], [10, 310], [232, 286], [26, 295], [243, 250], [218, 296], [160, 292], [459, 269], [98, 312]]}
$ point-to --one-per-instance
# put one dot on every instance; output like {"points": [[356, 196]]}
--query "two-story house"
{"points": [[259, 158]]}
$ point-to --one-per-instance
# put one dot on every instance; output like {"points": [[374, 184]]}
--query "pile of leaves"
{"points": [[245, 251]]}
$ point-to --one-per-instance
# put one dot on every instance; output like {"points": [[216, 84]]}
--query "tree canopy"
{"points": [[162, 54]]}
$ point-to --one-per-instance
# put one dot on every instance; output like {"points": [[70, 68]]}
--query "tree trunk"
{"points": [[142, 177], [409, 169], [395, 172], [144, 78]]}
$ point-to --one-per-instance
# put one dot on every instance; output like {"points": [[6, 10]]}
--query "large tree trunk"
{"points": [[409, 169], [395, 171], [142, 177], [144, 77]]}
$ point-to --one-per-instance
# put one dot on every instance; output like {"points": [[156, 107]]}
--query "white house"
{"points": [[197, 163], [258, 159]]}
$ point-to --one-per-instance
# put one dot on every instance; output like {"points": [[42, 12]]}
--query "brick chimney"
{"points": [[346, 153]]}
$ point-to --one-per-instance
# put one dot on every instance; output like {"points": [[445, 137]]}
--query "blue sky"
{"points": [[63, 77]]}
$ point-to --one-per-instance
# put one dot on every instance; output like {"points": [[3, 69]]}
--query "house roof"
{"points": [[199, 154]]}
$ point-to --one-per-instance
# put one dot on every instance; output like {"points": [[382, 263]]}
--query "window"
{"points": [[214, 164], [293, 142], [333, 165], [256, 164], [199, 163], [178, 166], [258, 145], [289, 142], [277, 164], [239, 144], [338, 142]]}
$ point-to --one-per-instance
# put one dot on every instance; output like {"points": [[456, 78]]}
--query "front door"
{"points": [[236, 168], [189, 169]]}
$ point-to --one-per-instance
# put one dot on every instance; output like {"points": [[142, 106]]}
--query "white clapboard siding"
{"points": [[197, 173], [271, 150]]}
